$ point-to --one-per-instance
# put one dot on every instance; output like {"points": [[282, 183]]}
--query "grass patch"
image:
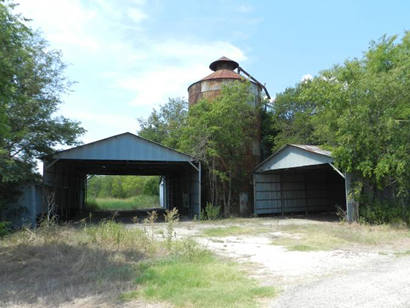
{"points": [[133, 203], [232, 231], [109, 262], [402, 253], [197, 280], [329, 236]]}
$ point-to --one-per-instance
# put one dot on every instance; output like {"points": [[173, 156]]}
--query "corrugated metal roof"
{"points": [[126, 146], [289, 157], [223, 74], [313, 148]]}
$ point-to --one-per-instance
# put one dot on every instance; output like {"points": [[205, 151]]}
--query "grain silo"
{"points": [[224, 71]]}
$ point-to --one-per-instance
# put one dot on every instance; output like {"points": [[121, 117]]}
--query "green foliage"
{"points": [[114, 204], [31, 85], [4, 228], [164, 126], [219, 133], [385, 213], [210, 212], [105, 186], [360, 110]]}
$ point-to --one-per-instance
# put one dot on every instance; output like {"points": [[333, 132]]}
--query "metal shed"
{"points": [[65, 172], [298, 178]]}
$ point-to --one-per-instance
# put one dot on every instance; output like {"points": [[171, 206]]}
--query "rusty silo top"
{"points": [[223, 74], [223, 63]]}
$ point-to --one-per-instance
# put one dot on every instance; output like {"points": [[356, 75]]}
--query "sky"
{"points": [[127, 57]]}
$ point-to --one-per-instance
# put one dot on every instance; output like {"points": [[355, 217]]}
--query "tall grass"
{"points": [[132, 203], [109, 263]]}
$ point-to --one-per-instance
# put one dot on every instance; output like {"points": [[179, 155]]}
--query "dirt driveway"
{"points": [[314, 263]]}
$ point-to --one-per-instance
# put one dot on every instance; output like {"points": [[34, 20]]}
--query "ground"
{"points": [[349, 266], [309, 262]]}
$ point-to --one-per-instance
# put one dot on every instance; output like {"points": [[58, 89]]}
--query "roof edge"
{"points": [[285, 146], [114, 136]]}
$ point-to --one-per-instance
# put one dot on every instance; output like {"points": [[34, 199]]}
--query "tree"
{"points": [[291, 117], [164, 126], [361, 111], [219, 133], [31, 85]]}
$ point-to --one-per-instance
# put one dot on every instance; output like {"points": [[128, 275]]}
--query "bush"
{"points": [[385, 213], [210, 212], [4, 228]]}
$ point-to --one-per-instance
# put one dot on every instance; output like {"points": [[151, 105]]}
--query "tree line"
{"points": [[360, 110], [116, 186]]}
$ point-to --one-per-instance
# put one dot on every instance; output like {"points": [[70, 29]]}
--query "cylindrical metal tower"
{"points": [[209, 87]]}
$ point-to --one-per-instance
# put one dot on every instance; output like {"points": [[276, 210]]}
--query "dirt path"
{"points": [[379, 284], [354, 277]]}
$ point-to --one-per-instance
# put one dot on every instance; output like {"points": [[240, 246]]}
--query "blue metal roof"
{"points": [[294, 156], [126, 146]]}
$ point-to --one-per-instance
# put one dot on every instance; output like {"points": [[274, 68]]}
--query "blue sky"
{"points": [[128, 57]]}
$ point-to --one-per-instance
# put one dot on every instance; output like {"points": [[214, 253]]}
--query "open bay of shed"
{"points": [[298, 178]]}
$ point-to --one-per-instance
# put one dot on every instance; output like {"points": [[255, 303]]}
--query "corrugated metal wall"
{"points": [[292, 191], [27, 208]]}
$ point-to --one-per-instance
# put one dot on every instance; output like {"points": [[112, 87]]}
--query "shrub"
{"points": [[385, 212], [4, 228], [210, 212]]}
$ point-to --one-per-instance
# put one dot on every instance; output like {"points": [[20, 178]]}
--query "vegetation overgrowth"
{"points": [[108, 262], [132, 203], [32, 84], [359, 110]]}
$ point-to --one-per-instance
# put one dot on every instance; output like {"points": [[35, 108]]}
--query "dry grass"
{"points": [[108, 265], [55, 264], [329, 236], [314, 235]]}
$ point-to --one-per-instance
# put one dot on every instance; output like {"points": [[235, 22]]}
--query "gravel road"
{"points": [[380, 284]]}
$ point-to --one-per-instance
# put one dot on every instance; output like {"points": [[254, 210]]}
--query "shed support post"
{"points": [[281, 194], [199, 189], [351, 204]]}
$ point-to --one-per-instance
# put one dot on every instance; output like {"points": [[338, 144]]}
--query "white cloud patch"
{"points": [[63, 22], [136, 15], [166, 79], [306, 77], [106, 40]]}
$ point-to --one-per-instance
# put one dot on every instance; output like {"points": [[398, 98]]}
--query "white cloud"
{"points": [[108, 123], [167, 79], [306, 77], [106, 40], [136, 15], [64, 22]]}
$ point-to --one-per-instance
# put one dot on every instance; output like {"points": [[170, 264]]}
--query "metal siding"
{"points": [[123, 147], [297, 191]]}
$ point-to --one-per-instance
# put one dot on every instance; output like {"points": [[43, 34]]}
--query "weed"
{"points": [[171, 217], [149, 223], [210, 212]]}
